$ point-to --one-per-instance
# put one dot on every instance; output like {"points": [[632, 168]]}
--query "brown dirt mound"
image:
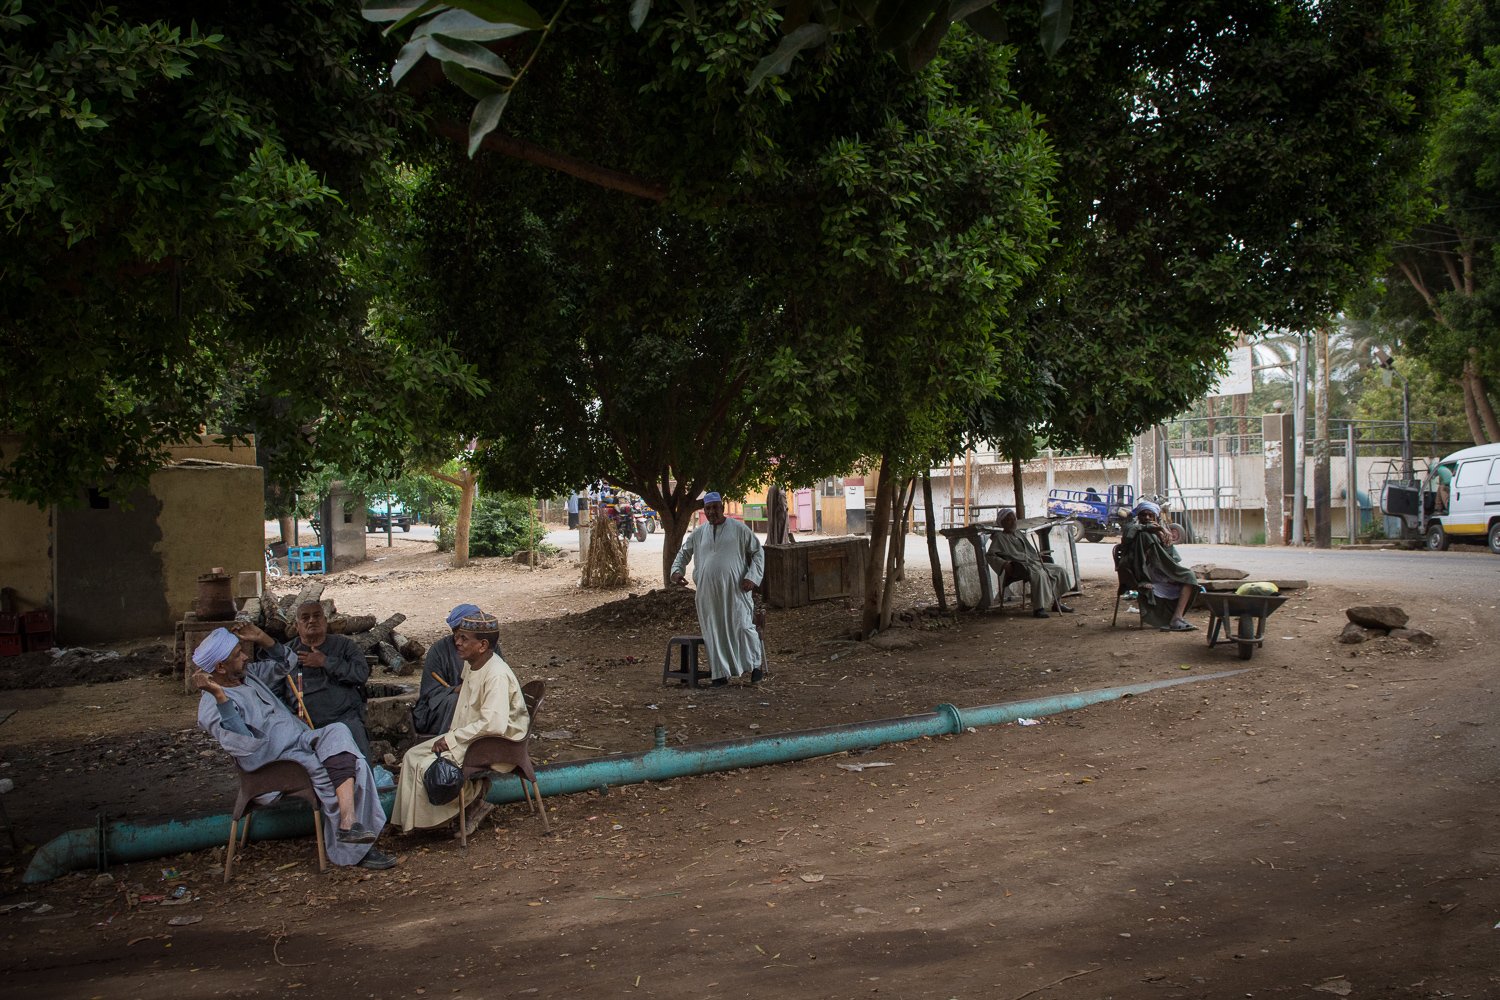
{"points": [[86, 666], [670, 607]]}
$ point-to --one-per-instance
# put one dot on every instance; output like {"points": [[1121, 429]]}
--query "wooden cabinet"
{"points": [[804, 572]]}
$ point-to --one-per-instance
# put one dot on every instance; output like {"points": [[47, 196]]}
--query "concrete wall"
{"points": [[26, 554], [210, 516], [204, 449], [348, 536]]}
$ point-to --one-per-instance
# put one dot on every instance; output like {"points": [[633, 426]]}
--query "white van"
{"points": [[1459, 499]]}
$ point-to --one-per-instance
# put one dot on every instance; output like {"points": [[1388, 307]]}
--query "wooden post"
{"points": [[1016, 482]]}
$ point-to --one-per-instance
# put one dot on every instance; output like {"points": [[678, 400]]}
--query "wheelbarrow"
{"points": [[1252, 610]]}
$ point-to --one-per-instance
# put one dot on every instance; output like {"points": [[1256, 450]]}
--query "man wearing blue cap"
{"points": [[442, 676], [728, 563], [238, 709]]}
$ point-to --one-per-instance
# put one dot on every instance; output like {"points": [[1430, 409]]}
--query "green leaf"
{"points": [[486, 116], [638, 11], [462, 24], [780, 61], [502, 12], [989, 24], [388, 10], [690, 9], [413, 14], [1057, 21], [898, 21], [410, 54], [471, 83], [926, 45], [469, 54]]}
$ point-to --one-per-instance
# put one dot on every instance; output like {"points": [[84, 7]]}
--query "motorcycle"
{"points": [[631, 523]]}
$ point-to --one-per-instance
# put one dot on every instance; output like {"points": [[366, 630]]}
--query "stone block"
{"points": [[1354, 634], [1381, 616], [1415, 636], [1226, 573]]}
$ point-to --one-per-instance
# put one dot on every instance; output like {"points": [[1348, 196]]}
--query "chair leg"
{"points": [[1115, 617], [318, 831], [463, 819], [229, 851], [546, 824], [245, 831]]}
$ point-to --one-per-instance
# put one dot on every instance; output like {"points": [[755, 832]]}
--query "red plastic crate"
{"points": [[37, 621], [10, 645], [10, 623], [38, 640]]}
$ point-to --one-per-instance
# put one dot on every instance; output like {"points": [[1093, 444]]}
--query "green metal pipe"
{"points": [[126, 842]]}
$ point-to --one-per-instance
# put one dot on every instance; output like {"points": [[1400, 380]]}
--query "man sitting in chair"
{"points": [[1153, 560], [1048, 581], [442, 679], [489, 704], [238, 709], [329, 671]]}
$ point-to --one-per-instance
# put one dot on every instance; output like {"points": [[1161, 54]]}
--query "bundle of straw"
{"points": [[608, 563]]}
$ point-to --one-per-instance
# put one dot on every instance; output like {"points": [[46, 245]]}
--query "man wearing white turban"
{"points": [[728, 562], [238, 709], [1048, 580]]}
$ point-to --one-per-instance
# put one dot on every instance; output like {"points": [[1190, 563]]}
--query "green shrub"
{"points": [[502, 524]]}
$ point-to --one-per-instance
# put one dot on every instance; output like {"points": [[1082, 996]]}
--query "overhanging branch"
{"points": [[553, 160]]}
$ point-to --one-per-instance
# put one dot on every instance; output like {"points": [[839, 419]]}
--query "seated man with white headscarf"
{"points": [[1048, 580], [238, 709], [442, 679], [1152, 559]]}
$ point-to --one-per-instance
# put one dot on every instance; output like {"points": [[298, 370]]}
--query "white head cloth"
{"points": [[1147, 505], [215, 649]]}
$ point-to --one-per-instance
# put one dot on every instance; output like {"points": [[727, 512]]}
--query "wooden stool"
{"points": [[688, 669]]}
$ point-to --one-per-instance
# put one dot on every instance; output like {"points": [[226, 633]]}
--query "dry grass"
{"points": [[608, 563]]}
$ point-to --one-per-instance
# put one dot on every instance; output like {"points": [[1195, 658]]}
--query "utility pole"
{"points": [[1322, 478], [1299, 449]]}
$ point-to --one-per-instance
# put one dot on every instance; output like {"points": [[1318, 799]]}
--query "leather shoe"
{"points": [[1040, 613], [756, 675], [719, 682], [376, 861], [1064, 608], [357, 834]]}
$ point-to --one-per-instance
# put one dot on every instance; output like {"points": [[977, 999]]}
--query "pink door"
{"points": [[802, 511]]}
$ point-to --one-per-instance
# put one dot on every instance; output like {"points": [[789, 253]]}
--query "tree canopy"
{"points": [[185, 191]]}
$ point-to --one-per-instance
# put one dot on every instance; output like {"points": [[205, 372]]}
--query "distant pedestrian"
{"points": [[728, 563], [573, 511]]}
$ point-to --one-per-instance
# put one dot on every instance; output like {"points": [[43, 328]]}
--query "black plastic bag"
{"points": [[443, 781]]}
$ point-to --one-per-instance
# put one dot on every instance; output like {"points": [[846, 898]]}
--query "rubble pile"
{"points": [[1376, 621]]}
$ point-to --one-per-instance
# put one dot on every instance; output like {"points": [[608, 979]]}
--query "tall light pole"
{"points": [[1388, 363]]}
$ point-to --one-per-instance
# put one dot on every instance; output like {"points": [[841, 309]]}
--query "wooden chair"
{"points": [[1013, 572], [489, 750], [1125, 583], [285, 776]]}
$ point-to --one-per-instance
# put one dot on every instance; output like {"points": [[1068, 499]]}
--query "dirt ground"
{"points": [[1324, 823]]}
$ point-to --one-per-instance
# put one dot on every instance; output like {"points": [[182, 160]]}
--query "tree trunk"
{"points": [[1016, 482], [1482, 401], [1242, 410], [895, 569], [932, 545], [286, 528], [674, 528], [1471, 410], [874, 567], [1322, 479], [466, 491]]}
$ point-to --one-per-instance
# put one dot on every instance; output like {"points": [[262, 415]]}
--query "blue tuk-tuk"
{"points": [[1097, 515]]}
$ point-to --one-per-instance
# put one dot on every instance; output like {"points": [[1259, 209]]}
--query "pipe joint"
{"points": [[953, 715]]}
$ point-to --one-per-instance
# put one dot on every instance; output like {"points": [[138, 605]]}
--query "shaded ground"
{"points": [[1331, 813]]}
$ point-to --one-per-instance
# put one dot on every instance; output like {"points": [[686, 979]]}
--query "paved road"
{"points": [[1472, 572]]}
